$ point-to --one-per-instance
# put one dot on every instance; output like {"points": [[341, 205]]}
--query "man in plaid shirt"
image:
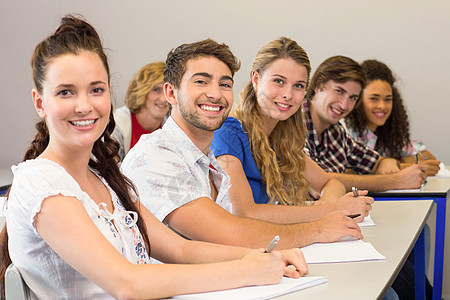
{"points": [[332, 93]]}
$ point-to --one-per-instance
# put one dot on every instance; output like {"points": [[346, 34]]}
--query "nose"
{"points": [[214, 93], [347, 103], [287, 93], [83, 104], [381, 104]]}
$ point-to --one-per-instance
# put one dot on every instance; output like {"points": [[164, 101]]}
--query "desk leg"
{"points": [[439, 247], [419, 266]]}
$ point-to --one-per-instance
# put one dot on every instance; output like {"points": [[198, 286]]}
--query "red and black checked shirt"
{"points": [[338, 151]]}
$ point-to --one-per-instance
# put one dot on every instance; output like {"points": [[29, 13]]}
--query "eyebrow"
{"points": [[209, 76], [97, 82], [68, 85], [376, 94], [285, 78], [342, 89]]}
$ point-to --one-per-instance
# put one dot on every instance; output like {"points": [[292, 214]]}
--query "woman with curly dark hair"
{"points": [[380, 120]]}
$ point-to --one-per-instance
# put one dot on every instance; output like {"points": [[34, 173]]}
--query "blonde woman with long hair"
{"points": [[260, 146]]}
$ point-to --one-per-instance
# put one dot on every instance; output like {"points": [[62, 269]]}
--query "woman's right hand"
{"points": [[263, 268]]}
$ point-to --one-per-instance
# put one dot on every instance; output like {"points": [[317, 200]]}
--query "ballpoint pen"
{"points": [[355, 191], [353, 216], [272, 244], [423, 155]]}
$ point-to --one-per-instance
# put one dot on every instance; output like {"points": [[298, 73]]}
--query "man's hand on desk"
{"points": [[355, 205], [337, 225], [431, 166], [411, 177]]}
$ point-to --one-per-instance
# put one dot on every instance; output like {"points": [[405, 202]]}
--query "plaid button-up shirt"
{"points": [[337, 151]]}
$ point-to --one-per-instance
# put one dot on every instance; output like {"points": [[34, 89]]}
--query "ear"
{"points": [[255, 79], [170, 93], [37, 100]]}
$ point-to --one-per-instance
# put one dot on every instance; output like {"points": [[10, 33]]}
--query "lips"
{"points": [[380, 115], [283, 105], [337, 112], [212, 108], [83, 123], [162, 105]]}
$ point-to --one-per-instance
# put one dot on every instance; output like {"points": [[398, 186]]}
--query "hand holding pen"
{"points": [[293, 258], [355, 193], [431, 166], [272, 244]]}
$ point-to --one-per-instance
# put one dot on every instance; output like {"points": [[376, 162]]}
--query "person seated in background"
{"points": [[335, 88], [179, 179], [75, 228], [145, 108], [258, 146], [380, 120]]}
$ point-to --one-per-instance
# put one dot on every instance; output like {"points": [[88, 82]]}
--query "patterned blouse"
{"points": [[47, 275], [370, 140]]}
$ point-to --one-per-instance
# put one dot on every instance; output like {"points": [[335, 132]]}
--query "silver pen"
{"points": [[272, 244], [355, 191]]}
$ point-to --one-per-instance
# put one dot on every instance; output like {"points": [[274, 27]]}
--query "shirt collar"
{"points": [[186, 147], [312, 134]]}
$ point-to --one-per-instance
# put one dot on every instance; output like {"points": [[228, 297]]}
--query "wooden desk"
{"points": [[437, 189], [398, 226]]}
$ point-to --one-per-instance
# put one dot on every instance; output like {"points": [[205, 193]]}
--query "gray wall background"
{"points": [[412, 37]]}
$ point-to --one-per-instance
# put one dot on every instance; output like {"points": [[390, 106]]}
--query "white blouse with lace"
{"points": [[46, 274]]}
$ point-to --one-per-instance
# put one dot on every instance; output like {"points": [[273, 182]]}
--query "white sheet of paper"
{"points": [[343, 251], [286, 285], [367, 222]]}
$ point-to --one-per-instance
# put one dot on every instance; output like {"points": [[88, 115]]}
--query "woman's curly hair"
{"points": [[393, 136]]}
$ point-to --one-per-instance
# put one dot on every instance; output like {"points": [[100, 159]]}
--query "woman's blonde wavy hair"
{"points": [[279, 157], [142, 83]]}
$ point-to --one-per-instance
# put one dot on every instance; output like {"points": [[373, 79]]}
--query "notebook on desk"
{"points": [[285, 286]]}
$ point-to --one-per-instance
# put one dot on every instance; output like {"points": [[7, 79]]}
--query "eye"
{"points": [[98, 91], [157, 90], [388, 99], [199, 81], [339, 91], [278, 80], [65, 93], [354, 98], [299, 85], [225, 85], [373, 99]]}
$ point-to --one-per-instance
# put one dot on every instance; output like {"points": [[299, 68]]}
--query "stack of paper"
{"points": [[286, 285]]}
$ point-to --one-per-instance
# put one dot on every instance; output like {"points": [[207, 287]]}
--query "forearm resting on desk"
{"points": [[410, 178]]}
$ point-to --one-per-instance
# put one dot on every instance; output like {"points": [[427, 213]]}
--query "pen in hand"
{"points": [[353, 216], [355, 191], [272, 244]]}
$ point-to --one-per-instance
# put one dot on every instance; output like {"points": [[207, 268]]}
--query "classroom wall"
{"points": [[413, 37]]}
